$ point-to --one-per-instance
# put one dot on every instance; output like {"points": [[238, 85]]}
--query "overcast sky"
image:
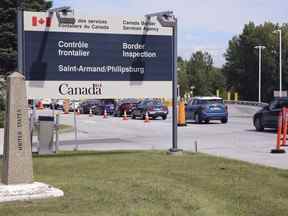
{"points": [[205, 25]]}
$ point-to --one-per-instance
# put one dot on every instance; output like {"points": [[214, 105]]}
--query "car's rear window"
{"points": [[153, 103], [212, 101]]}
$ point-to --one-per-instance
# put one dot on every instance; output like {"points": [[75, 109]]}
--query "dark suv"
{"points": [[127, 105], [154, 109], [86, 105], [267, 117]]}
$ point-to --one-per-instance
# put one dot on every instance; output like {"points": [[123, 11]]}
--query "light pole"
{"points": [[64, 14], [167, 19], [192, 88], [280, 60], [260, 48]]}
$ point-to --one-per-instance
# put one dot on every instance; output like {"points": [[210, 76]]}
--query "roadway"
{"points": [[236, 140]]}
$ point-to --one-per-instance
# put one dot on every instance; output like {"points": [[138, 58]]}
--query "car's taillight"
{"points": [[204, 108], [150, 108]]}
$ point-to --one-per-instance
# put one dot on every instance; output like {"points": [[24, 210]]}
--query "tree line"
{"points": [[238, 74], [8, 28]]}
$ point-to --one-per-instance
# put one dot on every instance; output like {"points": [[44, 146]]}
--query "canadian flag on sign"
{"points": [[40, 21]]}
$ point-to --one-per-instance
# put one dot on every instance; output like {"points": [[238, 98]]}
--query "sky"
{"points": [[205, 25]]}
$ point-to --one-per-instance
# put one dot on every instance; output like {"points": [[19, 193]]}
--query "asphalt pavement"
{"points": [[236, 140]]}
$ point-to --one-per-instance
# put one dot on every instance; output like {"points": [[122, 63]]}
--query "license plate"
{"points": [[215, 109]]}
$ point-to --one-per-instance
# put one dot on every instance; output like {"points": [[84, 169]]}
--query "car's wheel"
{"points": [[133, 116], [198, 118], [224, 120], [164, 117], [258, 124], [207, 121], [142, 115]]}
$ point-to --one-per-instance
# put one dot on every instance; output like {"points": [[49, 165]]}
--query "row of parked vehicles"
{"points": [[198, 109], [135, 108]]}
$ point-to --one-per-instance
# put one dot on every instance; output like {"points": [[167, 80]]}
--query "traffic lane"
{"points": [[156, 133], [236, 140], [95, 126], [242, 110]]}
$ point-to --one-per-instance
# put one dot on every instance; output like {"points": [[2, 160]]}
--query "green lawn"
{"points": [[152, 183]]}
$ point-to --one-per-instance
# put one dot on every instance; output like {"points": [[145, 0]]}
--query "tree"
{"points": [[201, 73], [218, 80], [182, 76], [241, 68], [8, 40]]}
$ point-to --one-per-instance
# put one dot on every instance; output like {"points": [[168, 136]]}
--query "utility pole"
{"points": [[280, 60], [260, 48]]}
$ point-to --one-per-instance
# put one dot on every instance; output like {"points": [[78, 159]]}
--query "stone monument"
{"points": [[17, 155], [17, 174]]}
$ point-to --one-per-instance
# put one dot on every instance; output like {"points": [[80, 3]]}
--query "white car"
{"points": [[75, 103], [46, 102]]}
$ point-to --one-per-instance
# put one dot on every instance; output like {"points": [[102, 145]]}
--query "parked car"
{"points": [[125, 105], [46, 102], [109, 105], [154, 109], [104, 104], [98, 109], [267, 117], [58, 104], [86, 105], [201, 109], [74, 103]]}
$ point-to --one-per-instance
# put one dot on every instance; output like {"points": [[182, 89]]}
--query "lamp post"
{"points": [[167, 19], [260, 48], [64, 14], [280, 60], [192, 88]]}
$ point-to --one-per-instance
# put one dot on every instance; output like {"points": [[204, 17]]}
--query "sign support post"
{"points": [[174, 95], [167, 19], [75, 127], [175, 149]]}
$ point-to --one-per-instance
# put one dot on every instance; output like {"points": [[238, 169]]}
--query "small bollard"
{"points": [[57, 132], [196, 146], [181, 114], [45, 135]]}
